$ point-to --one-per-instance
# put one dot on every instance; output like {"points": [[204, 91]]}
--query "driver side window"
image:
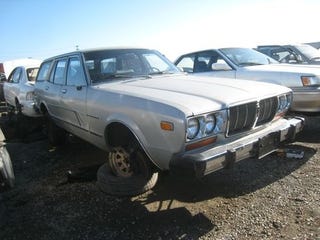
{"points": [[15, 76], [75, 74]]}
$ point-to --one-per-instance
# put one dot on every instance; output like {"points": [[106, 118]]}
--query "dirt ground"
{"points": [[271, 198]]}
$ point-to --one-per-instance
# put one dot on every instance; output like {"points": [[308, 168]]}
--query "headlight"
{"points": [[193, 128], [284, 102], [210, 122], [310, 80], [206, 125], [30, 96]]}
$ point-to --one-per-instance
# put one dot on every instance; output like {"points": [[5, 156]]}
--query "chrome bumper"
{"points": [[256, 145]]}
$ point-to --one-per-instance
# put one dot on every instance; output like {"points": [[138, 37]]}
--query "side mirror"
{"points": [[221, 67]]}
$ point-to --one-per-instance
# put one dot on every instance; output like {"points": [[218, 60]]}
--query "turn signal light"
{"points": [[202, 143], [167, 126]]}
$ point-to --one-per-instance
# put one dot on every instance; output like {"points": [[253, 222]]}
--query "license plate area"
{"points": [[268, 144]]}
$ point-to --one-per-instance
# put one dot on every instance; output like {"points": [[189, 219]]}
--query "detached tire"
{"points": [[140, 181]]}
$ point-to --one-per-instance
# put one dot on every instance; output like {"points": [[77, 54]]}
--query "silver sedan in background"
{"points": [[246, 63]]}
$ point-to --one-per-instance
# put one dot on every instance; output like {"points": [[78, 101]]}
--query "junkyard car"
{"points": [[148, 116], [246, 63], [19, 89], [295, 53]]}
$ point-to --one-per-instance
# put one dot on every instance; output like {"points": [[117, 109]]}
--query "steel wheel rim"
{"points": [[119, 160]]}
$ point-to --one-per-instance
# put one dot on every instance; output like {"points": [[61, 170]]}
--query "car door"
{"points": [[52, 89], [73, 97], [11, 89]]}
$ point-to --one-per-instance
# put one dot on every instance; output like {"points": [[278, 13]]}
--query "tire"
{"points": [[6, 171], [18, 108], [139, 181], [56, 135]]}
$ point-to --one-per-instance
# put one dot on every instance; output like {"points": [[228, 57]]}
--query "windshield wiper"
{"points": [[160, 72], [315, 58], [113, 76], [243, 64]]}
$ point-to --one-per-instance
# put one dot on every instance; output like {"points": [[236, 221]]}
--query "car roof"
{"points": [[93, 50]]}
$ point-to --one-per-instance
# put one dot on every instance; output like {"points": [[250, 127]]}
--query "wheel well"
{"points": [[43, 109], [117, 134]]}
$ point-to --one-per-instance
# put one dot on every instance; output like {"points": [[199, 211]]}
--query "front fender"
{"points": [[159, 145], [135, 130]]}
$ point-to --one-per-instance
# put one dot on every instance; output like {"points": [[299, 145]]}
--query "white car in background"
{"points": [[19, 89]]}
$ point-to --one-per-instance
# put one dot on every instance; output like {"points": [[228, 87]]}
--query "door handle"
{"points": [[64, 90]]}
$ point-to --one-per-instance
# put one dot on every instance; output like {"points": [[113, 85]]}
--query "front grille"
{"points": [[267, 110], [242, 117], [246, 116]]}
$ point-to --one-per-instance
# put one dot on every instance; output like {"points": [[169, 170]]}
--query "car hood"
{"points": [[287, 68], [194, 94]]}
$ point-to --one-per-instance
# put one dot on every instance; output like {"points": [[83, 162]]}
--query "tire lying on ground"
{"points": [[126, 173]]}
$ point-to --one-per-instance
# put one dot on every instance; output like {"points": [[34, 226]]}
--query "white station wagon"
{"points": [[148, 116]]}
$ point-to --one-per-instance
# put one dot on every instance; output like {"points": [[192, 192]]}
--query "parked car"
{"points": [[137, 106], [246, 63], [6, 171], [19, 89], [295, 53], [314, 44]]}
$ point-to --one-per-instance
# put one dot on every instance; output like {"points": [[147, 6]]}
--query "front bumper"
{"points": [[259, 144], [306, 99], [28, 109]]}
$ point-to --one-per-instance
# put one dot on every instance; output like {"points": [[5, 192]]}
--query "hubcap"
{"points": [[119, 160]]}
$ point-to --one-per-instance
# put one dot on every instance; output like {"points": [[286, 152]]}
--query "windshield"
{"points": [[246, 57], [126, 63], [309, 51]]}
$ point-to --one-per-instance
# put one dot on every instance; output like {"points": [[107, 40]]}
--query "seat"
{"points": [[200, 66]]}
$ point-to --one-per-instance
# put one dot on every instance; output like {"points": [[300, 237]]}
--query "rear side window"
{"points": [[32, 73], [44, 72]]}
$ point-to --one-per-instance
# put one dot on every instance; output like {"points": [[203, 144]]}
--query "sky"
{"points": [[41, 29]]}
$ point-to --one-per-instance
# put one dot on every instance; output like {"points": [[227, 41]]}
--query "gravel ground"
{"points": [[271, 198]]}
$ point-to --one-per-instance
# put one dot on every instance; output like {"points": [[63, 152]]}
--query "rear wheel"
{"points": [[56, 135], [18, 108], [127, 172]]}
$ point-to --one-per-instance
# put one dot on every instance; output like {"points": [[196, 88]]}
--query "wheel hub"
{"points": [[119, 160]]}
